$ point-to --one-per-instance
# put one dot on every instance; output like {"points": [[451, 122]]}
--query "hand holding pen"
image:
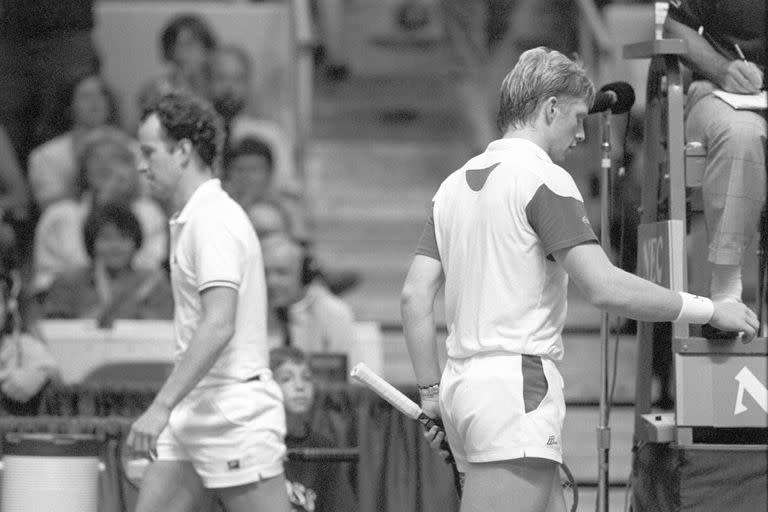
{"points": [[742, 76]]}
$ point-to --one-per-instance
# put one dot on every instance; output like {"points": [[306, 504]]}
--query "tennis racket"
{"points": [[405, 405]]}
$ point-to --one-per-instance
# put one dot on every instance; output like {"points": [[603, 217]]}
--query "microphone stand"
{"points": [[603, 429]]}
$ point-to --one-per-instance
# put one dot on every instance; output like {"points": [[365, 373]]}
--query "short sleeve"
{"points": [[692, 13], [427, 245], [559, 221], [219, 254]]}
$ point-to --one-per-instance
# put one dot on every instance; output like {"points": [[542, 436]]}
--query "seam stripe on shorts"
{"points": [[534, 382]]}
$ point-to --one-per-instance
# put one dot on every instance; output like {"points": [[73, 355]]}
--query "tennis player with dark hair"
{"points": [[506, 232], [218, 422]]}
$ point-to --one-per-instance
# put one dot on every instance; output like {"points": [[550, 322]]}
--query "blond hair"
{"points": [[540, 73]]}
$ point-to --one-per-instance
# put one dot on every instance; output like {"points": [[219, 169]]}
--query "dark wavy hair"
{"points": [[114, 214], [195, 24], [186, 116]]}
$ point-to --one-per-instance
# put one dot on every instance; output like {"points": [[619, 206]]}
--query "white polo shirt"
{"points": [[214, 244], [495, 224]]}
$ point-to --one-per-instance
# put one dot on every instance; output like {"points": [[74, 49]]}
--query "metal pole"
{"points": [[603, 430]]}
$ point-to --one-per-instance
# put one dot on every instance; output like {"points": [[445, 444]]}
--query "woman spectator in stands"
{"points": [[108, 174], [26, 364], [85, 104], [111, 287], [186, 43], [312, 487]]}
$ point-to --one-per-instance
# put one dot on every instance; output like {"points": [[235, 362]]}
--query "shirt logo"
{"points": [[551, 441], [233, 464]]}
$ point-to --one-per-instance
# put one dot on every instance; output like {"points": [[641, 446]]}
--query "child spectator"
{"points": [[312, 486], [186, 43], [108, 174], [85, 104], [111, 287]]}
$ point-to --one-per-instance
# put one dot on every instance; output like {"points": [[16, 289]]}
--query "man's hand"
{"points": [[144, 432], [21, 384], [435, 438], [735, 317], [742, 78]]}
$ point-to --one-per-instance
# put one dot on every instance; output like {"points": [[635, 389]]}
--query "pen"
{"points": [[739, 52]]}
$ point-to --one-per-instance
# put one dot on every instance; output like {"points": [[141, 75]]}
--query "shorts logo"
{"points": [[233, 464], [551, 441]]}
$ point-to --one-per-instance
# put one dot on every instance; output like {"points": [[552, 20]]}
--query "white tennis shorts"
{"points": [[232, 434], [502, 406]]}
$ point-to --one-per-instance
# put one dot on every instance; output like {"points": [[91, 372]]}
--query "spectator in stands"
{"points": [[268, 218], [107, 164], [186, 43], [256, 159], [111, 287], [26, 364], [43, 46], [231, 86], [312, 487], [329, 23], [84, 105], [14, 195], [15, 207], [734, 176], [249, 177], [308, 315], [248, 171]]}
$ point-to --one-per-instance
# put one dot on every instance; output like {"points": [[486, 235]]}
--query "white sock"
{"points": [[726, 283]]}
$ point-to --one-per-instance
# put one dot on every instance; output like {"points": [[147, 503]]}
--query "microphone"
{"points": [[616, 96]]}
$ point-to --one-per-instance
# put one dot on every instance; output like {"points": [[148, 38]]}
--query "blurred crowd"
{"points": [[79, 226]]}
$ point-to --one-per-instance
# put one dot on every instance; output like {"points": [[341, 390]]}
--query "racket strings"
{"points": [[570, 488]]}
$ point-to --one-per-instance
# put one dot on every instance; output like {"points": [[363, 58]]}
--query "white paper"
{"points": [[757, 101]]}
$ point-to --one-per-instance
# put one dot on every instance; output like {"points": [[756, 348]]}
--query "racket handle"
{"points": [[435, 422]]}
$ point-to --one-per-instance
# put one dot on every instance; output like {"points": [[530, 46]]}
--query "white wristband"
{"points": [[695, 309]]}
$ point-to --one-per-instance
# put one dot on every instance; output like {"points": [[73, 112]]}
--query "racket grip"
{"points": [[435, 422]]}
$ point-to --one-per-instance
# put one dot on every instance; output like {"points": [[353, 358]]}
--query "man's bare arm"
{"points": [[216, 328], [731, 75], [425, 277], [619, 292]]}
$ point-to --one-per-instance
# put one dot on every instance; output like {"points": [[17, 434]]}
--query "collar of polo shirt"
{"points": [[515, 143], [200, 196]]}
